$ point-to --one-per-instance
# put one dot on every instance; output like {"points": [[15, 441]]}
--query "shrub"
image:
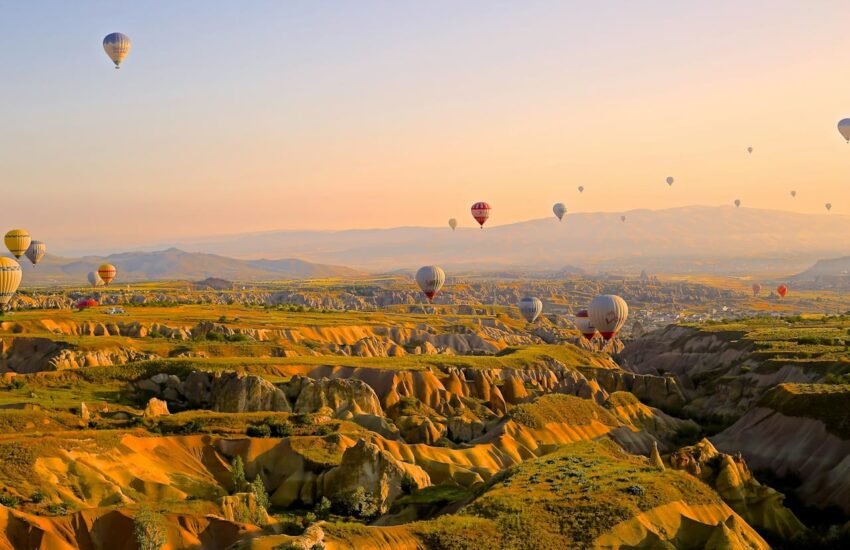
{"points": [[636, 490], [214, 337], [37, 497], [149, 529], [9, 501], [56, 509], [358, 503], [408, 484], [323, 508], [280, 429], [262, 430]]}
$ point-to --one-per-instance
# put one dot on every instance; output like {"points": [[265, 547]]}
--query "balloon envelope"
{"points": [[749, 149], [782, 290], [622, 218], [828, 206], [17, 241], [669, 180], [793, 193], [480, 211], [36, 251], [584, 324], [756, 289], [581, 188], [844, 128], [737, 203], [10, 279], [94, 279], [107, 273], [116, 46], [85, 302], [530, 307], [452, 223], [430, 279], [559, 209], [608, 313]]}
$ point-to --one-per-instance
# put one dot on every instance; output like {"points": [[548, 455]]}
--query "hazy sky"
{"points": [[243, 116]]}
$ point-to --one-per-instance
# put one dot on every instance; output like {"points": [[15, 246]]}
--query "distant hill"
{"points": [[699, 239], [826, 269], [175, 264]]}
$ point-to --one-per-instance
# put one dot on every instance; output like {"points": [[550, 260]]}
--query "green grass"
{"points": [[560, 408], [828, 403]]}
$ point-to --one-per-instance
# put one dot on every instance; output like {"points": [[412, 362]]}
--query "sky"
{"points": [[232, 117]]}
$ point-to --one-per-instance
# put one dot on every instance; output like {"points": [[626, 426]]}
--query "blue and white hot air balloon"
{"points": [[844, 128], [116, 46]]}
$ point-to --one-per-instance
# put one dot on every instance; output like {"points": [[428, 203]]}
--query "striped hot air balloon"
{"points": [[36, 251], [116, 46], [530, 308], [10, 279], [480, 211], [430, 279], [107, 273], [17, 241], [608, 313]]}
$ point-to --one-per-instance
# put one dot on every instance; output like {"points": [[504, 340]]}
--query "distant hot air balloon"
{"points": [[107, 273], [480, 211], [737, 203], [608, 313], [94, 279], [585, 325], [116, 46], [17, 241], [36, 251], [622, 218], [559, 209], [828, 206], [756, 289], [430, 279], [793, 194], [844, 128], [85, 303], [669, 180], [453, 223], [750, 150], [530, 307], [782, 290], [581, 188], [10, 279]]}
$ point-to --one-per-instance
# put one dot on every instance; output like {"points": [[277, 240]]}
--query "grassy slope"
{"points": [[828, 403]]}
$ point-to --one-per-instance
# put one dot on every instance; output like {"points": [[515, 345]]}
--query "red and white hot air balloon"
{"points": [[585, 325], [756, 289], [430, 279], [480, 211], [782, 290], [608, 313]]}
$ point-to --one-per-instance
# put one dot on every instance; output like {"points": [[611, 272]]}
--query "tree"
{"points": [[261, 497], [237, 473], [149, 529]]}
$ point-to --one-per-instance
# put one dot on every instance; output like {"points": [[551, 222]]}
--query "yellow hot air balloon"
{"points": [[116, 46], [10, 279], [17, 241], [107, 273]]}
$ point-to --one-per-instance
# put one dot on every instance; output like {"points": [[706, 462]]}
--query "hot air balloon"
{"points": [[480, 211], [94, 279], [737, 203], [608, 313], [116, 46], [756, 289], [622, 219], [793, 194], [17, 241], [750, 150], [782, 290], [828, 206], [36, 251], [559, 209], [430, 279], [107, 273], [581, 188], [669, 180], [844, 128], [453, 223], [10, 279], [585, 325], [85, 303], [530, 308]]}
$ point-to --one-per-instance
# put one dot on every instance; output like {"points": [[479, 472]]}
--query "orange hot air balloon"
{"points": [[107, 272], [782, 290]]}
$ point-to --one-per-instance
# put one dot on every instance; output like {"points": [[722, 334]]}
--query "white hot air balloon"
{"points": [[581, 188], [559, 209], [94, 279], [844, 128], [670, 180], [36, 251], [608, 313], [116, 46], [585, 325], [750, 150], [453, 223], [793, 194], [828, 206], [737, 203], [430, 279], [530, 307]]}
